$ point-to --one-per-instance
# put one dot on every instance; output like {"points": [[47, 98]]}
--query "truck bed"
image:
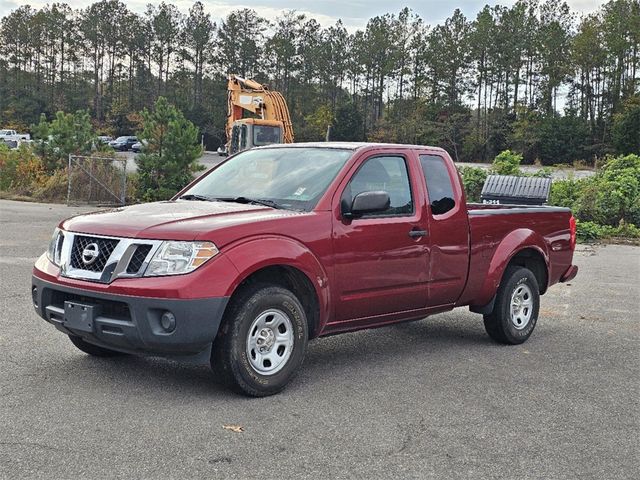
{"points": [[498, 226]]}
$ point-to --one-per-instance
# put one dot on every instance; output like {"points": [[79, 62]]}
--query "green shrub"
{"points": [[589, 231], [507, 163], [608, 198], [53, 188], [618, 196], [21, 171], [545, 172], [473, 179], [131, 194], [565, 193], [627, 230], [7, 167]]}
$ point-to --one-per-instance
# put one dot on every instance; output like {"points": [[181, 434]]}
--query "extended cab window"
{"points": [[439, 186], [383, 173]]}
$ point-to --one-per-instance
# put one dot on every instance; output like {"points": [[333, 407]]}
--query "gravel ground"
{"points": [[429, 399]]}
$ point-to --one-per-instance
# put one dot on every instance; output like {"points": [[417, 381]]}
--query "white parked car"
{"points": [[12, 135]]}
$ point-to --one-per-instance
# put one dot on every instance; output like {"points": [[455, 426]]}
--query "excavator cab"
{"points": [[251, 132]]}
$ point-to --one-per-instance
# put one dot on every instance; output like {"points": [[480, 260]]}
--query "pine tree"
{"points": [[67, 134], [168, 160], [626, 128]]}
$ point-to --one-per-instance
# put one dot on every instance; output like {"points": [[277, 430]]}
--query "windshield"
{"points": [[265, 135], [292, 178]]}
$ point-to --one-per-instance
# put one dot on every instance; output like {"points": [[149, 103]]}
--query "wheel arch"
{"points": [[520, 247], [288, 263], [532, 259], [294, 280]]}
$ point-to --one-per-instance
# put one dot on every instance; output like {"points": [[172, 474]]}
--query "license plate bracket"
{"points": [[80, 316]]}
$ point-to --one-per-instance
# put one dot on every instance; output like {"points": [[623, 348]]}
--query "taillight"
{"points": [[572, 228]]}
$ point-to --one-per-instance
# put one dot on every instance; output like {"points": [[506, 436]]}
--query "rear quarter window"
{"points": [[439, 185]]}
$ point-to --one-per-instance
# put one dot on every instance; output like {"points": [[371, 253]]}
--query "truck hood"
{"points": [[172, 220]]}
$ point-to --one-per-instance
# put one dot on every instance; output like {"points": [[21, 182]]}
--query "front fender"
{"points": [[510, 245], [253, 254]]}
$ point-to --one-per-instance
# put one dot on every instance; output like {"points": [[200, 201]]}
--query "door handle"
{"points": [[417, 233]]}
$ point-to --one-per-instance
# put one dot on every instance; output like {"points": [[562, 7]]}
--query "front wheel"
{"points": [[262, 340], [516, 308]]}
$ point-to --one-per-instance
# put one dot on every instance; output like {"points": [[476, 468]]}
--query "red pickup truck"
{"points": [[282, 244]]}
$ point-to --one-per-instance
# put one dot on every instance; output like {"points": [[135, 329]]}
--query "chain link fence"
{"points": [[98, 181]]}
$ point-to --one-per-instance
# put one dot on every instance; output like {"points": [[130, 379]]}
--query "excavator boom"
{"points": [[268, 107]]}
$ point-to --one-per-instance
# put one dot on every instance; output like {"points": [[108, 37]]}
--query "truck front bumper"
{"points": [[131, 324]]}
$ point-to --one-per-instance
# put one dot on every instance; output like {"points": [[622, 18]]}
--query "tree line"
{"points": [[534, 77]]}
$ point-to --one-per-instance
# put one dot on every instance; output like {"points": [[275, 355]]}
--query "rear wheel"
{"points": [[93, 350], [516, 308], [262, 340]]}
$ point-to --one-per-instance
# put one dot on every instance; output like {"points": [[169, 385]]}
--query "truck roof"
{"points": [[350, 145]]}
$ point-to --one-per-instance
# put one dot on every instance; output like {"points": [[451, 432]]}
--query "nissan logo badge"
{"points": [[90, 253]]}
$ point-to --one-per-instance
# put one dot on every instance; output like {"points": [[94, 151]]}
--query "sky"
{"points": [[354, 13]]}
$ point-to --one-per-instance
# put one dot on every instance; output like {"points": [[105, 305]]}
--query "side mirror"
{"points": [[368, 202]]}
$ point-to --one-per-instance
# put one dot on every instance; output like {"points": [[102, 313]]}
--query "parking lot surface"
{"points": [[428, 399]]}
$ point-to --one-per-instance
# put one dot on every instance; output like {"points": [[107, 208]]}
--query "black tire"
{"points": [[230, 358], [92, 349], [501, 325]]}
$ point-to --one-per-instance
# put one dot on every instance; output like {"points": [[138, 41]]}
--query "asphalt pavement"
{"points": [[428, 399]]}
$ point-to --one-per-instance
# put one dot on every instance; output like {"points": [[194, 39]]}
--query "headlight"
{"points": [[175, 258], [55, 247]]}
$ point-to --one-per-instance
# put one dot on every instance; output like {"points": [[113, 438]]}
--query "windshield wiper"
{"points": [[257, 201], [193, 196]]}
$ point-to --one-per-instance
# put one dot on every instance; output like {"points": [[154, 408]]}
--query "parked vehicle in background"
{"points": [[106, 139], [8, 134], [123, 143], [138, 146], [12, 144], [285, 243]]}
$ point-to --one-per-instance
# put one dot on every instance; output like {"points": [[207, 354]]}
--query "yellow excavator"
{"points": [[270, 122]]}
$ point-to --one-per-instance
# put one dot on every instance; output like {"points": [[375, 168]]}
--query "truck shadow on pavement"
{"points": [[327, 358], [427, 339]]}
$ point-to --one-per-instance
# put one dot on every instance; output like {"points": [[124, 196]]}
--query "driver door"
{"points": [[381, 259]]}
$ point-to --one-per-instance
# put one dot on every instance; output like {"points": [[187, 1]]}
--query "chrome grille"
{"points": [[105, 248], [137, 259], [116, 257]]}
